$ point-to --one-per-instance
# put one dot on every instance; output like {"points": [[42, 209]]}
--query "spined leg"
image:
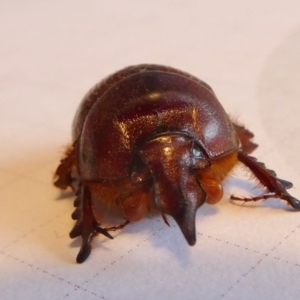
{"points": [[86, 225], [277, 187], [245, 137], [63, 172]]}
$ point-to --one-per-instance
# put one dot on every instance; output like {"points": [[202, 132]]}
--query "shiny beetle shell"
{"points": [[141, 106], [151, 139]]}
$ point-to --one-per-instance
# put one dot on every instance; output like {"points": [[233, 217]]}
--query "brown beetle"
{"points": [[152, 139]]}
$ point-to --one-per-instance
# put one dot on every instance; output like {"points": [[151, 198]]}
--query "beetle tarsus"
{"points": [[276, 186], [115, 228], [292, 201], [253, 199]]}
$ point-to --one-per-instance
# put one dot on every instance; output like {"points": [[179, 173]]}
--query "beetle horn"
{"points": [[180, 200], [177, 192]]}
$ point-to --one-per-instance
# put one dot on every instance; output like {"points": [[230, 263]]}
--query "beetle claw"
{"points": [[85, 251], [104, 232], [295, 203], [165, 219]]}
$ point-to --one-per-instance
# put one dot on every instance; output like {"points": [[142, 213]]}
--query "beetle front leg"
{"points": [[245, 137], [63, 172], [268, 178], [86, 224]]}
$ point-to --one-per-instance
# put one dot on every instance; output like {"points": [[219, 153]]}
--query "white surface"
{"points": [[52, 53]]}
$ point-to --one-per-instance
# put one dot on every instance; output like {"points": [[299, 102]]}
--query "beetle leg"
{"points": [[64, 170], [115, 228], [86, 224], [245, 136], [257, 198], [276, 186]]}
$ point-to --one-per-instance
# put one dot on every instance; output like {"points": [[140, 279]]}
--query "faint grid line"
{"points": [[244, 275], [112, 263], [38, 227], [20, 176], [78, 287], [4, 171], [25, 176]]}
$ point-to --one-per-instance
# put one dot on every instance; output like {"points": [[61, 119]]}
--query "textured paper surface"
{"points": [[52, 53]]}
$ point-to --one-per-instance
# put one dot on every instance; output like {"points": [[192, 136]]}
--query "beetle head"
{"points": [[171, 160]]}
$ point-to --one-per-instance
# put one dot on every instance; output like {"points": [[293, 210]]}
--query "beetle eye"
{"points": [[201, 161], [196, 151]]}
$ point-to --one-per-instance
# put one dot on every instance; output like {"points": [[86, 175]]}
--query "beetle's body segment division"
{"points": [[153, 139]]}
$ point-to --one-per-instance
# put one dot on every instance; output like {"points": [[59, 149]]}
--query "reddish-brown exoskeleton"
{"points": [[152, 139]]}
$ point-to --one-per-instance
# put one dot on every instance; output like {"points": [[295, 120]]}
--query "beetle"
{"points": [[150, 139]]}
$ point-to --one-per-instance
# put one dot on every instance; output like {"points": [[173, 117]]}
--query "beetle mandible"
{"points": [[150, 139]]}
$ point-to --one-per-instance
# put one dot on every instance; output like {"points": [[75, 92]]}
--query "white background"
{"points": [[52, 52]]}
